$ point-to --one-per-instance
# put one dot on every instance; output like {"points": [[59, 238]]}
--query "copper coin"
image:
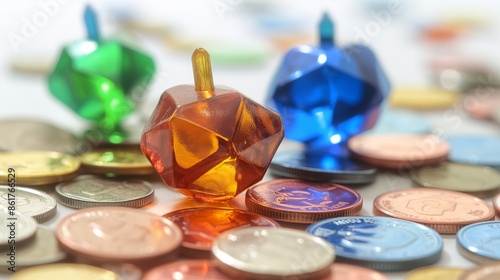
{"points": [[354, 272], [200, 226], [299, 201], [482, 104], [489, 271], [192, 270], [444, 211], [496, 203], [118, 234], [399, 151]]}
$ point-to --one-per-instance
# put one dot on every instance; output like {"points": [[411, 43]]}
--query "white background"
{"points": [[396, 42]]}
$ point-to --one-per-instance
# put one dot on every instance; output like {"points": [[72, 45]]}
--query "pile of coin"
{"points": [[309, 226]]}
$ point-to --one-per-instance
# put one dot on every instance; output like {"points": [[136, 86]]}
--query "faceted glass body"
{"points": [[326, 95], [101, 81], [210, 145]]}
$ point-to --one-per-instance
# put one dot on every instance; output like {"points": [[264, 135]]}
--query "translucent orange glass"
{"points": [[210, 142]]}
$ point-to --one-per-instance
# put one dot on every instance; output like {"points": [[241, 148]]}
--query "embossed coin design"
{"points": [[192, 270], [22, 229], [65, 271], [33, 203], [118, 234], [272, 253], [42, 249], [322, 167], [403, 152], [38, 168], [90, 191], [26, 135], [480, 242], [200, 226], [435, 273], [298, 201], [496, 204], [353, 272], [443, 210], [489, 271], [381, 243], [116, 161], [473, 179]]}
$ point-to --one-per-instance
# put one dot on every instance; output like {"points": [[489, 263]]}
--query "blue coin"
{"points": [[400, 122], [474, 149], [480, 242], [380, 243]]}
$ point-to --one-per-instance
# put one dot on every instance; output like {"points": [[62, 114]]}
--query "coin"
{"points": [[474, 179], [479, 242], [489, 271], [380, 243], [90, 191], [117, 161], [443, 210], [353, 272], [200, 226], [398, 151], [475, 149], [16, 227], [272, 253], [192, 270], [392, 121], [423, 98], [496, 204], [64, 271], [23, 135], [298, 201], [33, 203], [322, 167], [118, 235], [37, 167], [40, 250], [482, 104], [435, 273]]}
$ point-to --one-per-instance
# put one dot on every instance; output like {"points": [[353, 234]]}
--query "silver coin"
{"points": [[23, 135], [37, 204], [15, 226], [90, 191], [42, 249], [276, 253]]}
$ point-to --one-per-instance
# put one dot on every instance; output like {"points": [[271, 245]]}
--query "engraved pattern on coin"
{"points": [[104, 190]]}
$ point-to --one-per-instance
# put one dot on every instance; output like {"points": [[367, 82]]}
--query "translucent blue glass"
{"points": [[327, 94]]}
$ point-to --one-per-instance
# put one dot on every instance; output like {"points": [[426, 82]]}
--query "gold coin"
{"points": [[435, 273], [32, 168], [65, 271], [423, 99], [117, 161], [473, 179]]}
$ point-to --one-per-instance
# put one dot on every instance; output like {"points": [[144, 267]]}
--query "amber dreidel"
{"points": [[210, 142]]}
